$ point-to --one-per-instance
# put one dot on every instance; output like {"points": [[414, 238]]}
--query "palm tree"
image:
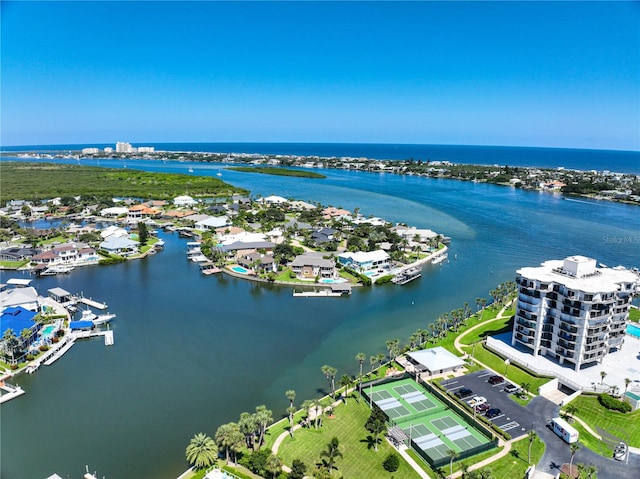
{"points": [[230, 438], [360, 357], [345, 381], [627, 381], [373, 360], [332, 453], [264, 417], [202, 451], [575, 447], [377, 427], [330, 374], [381, 358], [248, 426], [291, 396], [602, 376], [525, 389], [532, 437], [273, 465], [591, 469], [452, 457], [571, 410]]}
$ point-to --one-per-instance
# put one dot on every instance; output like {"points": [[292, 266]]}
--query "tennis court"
{"points": [[403, 398]]}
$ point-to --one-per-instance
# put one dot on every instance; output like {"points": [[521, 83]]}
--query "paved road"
{"points": [[517, 420]]}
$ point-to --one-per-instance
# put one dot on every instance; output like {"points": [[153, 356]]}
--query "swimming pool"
{"points": [[240, 269], [330, 280], [633, 330], [48, 330]]}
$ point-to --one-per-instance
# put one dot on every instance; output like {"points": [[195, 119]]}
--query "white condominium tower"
{"points": [[571, 310]]}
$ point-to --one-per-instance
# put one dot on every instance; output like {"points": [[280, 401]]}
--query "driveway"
{"points": [[517, 420]]}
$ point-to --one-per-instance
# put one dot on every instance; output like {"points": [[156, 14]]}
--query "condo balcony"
{"points": [[570, 346], [568, 327], [566, 354]]}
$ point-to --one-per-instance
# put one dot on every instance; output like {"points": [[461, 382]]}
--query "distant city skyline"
{"points": [[544, 74]]}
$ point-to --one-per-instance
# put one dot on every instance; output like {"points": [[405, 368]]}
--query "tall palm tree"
{"points": [[377, 427], [361, 357], [332, 453], [330, 374], [373, 360], [627, 381], [381, 358], [202, 451], [229, 437], [573, 448], [248, 426], [532, 437], [591, 469], [346, 382], [264, 417], [602, 376], [291, 396], [453, 454]]}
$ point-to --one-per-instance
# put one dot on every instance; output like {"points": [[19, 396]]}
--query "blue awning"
{"points": [[81, 324]]}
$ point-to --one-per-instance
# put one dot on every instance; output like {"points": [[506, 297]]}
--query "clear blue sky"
{"points": [[480, 73]]}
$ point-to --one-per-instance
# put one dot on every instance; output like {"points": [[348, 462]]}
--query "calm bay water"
{"points": [[612, 160], [193, 352]]}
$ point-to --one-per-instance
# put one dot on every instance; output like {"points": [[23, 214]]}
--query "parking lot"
{"points": [[513, 418]]}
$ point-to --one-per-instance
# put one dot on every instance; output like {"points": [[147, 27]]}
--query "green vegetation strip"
{"points": [[515, 463], [277, 172], [626, 426], [45, 180], [360, 459]]}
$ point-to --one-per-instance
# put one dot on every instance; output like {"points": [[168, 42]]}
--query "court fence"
{"points": [[436, 463]]}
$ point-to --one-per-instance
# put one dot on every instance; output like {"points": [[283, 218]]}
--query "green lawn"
{"points": [[490, 328], [13, 264], [348, 426], [614, 422], [515, 463], [634, 314]]}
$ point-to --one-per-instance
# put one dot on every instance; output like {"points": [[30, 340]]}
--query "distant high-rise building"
{"points": [[123, 147], [146, 149], [108, 149], [89, 151], [571, 310]]}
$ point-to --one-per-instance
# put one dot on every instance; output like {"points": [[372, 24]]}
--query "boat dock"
{"points": [[60, 352], [108, 335], [333, 292], [9, 391], [407, 275], [93, 304]]}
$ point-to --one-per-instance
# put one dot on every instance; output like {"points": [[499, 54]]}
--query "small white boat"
{"points": [[88, 315], [439, 259], [190, 170]]}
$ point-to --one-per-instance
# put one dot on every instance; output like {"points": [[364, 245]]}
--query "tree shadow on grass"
{"points": [[371, 441]]}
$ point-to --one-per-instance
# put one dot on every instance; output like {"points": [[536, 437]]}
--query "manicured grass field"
{"points": [[360, 460], [490, 328], [515, 463], [634, 314], [614, 422]]}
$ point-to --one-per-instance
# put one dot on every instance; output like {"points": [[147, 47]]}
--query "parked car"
{"points": [[620, 452], [493, 412], [511, 388], [496, 379], [482, 408], [476, 401], [463, 393]]}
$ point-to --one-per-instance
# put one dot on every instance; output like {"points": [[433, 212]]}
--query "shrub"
{"points": [[391, 463], [54, 339], [14, 367], [44, 347], [30, 357], [612, 403], [384, 279]]}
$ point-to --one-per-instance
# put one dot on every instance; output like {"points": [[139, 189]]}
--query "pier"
{"points": [[9, 391], [93, 304]]}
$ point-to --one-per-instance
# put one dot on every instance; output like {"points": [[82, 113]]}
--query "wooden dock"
{"points": [[93, 304], [60, 352], [108, 336]]}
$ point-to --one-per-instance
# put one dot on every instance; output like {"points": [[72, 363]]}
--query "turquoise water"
{"points": [[48, 330], [240, 269], [179, 333], [633, 330], [331, 280]]}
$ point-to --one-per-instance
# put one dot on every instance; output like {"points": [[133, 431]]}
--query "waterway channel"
{"points": [[193, 352]]}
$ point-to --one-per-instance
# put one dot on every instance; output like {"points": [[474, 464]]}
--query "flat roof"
{"points": [[19, 282]]}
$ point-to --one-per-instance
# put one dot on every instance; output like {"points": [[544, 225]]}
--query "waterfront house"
{"points": [[240, 249], [365, 260], [140, 213], [68, 253], [114, 211], [114, 231], [26, 297], [20, 321], [18, 254], [331, 212], [119, 245], [301, 205], [184, 201], [323, 235], [273, 200], [312, 265], [212, 222], [260, 263]]}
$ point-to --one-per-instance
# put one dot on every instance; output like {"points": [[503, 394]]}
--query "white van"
{"points": [[563, 429]]}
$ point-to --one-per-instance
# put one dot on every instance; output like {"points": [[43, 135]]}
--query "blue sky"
{"points": [[479, 73]]}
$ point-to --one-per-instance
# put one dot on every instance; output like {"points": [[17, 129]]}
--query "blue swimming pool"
{"points": [[331, 281], [633, 330], [240, 269], [48, 330]]}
